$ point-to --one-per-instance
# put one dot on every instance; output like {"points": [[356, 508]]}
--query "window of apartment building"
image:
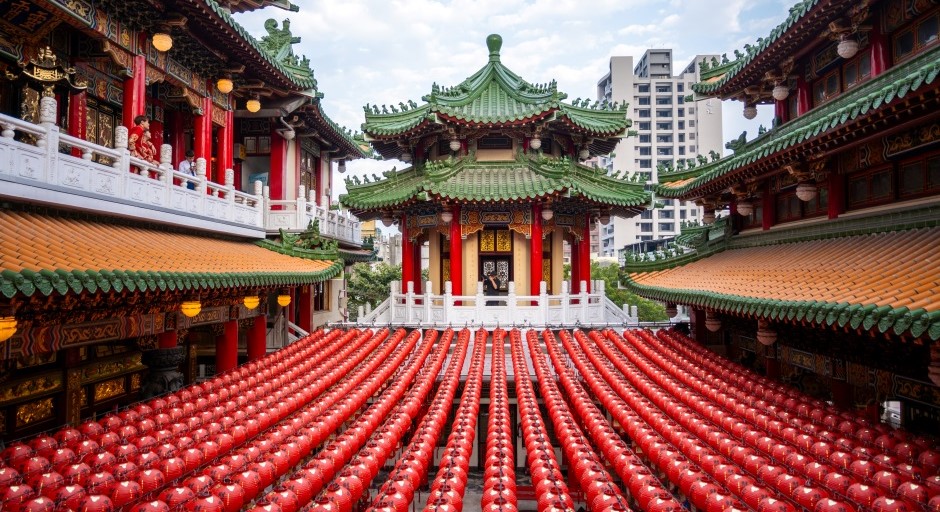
{"points": [[645, 137], [681, 150], [643, 87], [646, 238], [691, 149], [691, 123], [646, 164], [681, 112], [643, 100], [646, 227], [646, 151], [647, 214], [643, 125], [680, 100], [680, 87], [646, 176], [693, 212], [664, 126], [663, 87], [691, 111], [664, 113], [691, 136], [682, 125], [668, 162], [643, 112], [667, 214], [682, 214], [664, 100], [668, 202], [664, 151], [664, 138], [667, 226], [681, 137]]}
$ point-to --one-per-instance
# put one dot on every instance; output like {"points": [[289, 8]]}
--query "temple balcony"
{"points": [[43, 165], [565, 309]]}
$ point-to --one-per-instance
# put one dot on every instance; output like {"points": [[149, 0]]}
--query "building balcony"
{"points": [[40, 164]]}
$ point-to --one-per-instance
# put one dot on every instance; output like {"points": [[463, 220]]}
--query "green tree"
{"points": [[647, 310], [369, 285]]}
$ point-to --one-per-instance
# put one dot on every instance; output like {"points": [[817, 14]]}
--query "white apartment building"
{"points": [[669, 129]]}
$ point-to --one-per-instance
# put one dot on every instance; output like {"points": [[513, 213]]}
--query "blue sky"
{"points": [[390, 51]]}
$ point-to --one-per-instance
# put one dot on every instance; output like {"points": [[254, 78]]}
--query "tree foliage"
{"points": [[647, 310], [369, 285]]}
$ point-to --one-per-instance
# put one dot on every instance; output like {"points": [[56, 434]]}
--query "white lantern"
{"points": [[535, 143], [765, 335], [671, 310], [847, 48], [547, 214], [388, 220], [750, 112], [447, 216], [584, 154], [745, 208], [712, 322], [781, 92], [405, 156], [806, 191], [604, 218], [708, 217], [454, 145], [342, 166]]}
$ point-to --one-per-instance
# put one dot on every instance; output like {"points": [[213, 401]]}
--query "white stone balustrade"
{"points": [[542, 310], [40, 163]]}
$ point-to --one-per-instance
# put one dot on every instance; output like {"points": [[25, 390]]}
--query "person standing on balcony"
{"points": [[188, 167], [491, 287], [135, 133]]}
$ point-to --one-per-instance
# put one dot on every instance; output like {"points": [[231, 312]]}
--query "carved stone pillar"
{"points": [[164, 375]]}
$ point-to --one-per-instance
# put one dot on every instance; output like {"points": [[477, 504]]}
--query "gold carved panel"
{"points": [[109, 389], [37, 385], [488, 241], [33, 412]]}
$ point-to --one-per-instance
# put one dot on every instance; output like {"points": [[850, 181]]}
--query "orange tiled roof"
{"points": [[895, 273], [33, 243]]}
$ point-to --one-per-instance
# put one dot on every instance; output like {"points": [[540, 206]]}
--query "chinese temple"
{"points": [[123, 276], [805, 316], [495, 183]]}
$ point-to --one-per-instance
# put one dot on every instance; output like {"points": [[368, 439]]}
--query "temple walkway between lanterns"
{"points": [[485, 420]]}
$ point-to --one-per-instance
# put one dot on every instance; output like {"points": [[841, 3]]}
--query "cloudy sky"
{"points": [[385, 52]]}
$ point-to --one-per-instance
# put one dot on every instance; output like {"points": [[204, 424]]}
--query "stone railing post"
{"points": [[511, 302], [543, 303], [448, 302], [565, 302], [427, 302], [480, 304], [301, 213], [47, 111], [409, 302], [120, 143], [201, 185], [583, 302], [362, 313], [395, 290]]}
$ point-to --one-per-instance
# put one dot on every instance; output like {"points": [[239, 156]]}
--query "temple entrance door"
{"points": [[503, 267]]}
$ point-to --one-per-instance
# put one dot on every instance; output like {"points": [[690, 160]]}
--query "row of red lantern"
{"points": [[398, 411], [600, 491], [117, 453], [818, 461], [792, 484], [649, 494], [671, 446], [455, 463], [323, 418], [547, 479], [814, 416], [411, 468], [499, 476]]}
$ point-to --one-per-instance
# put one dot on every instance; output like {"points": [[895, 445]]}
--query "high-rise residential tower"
{"points": [[668, 129]]}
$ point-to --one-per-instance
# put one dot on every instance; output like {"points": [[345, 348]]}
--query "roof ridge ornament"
{"points": [[494, 42]]}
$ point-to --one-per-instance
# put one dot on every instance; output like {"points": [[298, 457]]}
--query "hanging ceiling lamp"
{"points": [[745, 208], [225, 85], [283, 300], [847, 47], [341, 167], [750, 111], [251, 301], [162, 40], [781, 92], [191, 308], [806, 191], [455, 145], [7, 327], [253, 104], [387, 219]]}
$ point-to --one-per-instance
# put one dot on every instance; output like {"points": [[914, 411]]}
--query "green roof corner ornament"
{"points": [[279, 45], [494, 42], [736, 144]]}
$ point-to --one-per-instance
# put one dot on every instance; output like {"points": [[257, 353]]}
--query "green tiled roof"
{"points": [[496, 95], [467, 180], [300, 79], [896, 82]]}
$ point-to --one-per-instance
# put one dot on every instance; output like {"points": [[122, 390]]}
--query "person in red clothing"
{"points": [[136, 133]]}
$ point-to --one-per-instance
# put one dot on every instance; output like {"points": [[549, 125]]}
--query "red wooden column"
{"points": [[226, 140], [318, 178], [177, 138], [202, 145], [257, 338], [804, 100], [584, 259], [880, 50], [416, 259], [226, 348], [535, 250], [292, 307], [78, 117], [836, 194], [698, 325], [167, 339], [769, 209], [407, 255], [305, 305], [277, 175], [782, 110], [456, 253], [135, 91], [575, 266]]}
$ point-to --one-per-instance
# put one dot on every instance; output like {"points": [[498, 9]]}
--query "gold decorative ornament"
{"points": [[191, 308], [283, 300], [7, 327]]}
